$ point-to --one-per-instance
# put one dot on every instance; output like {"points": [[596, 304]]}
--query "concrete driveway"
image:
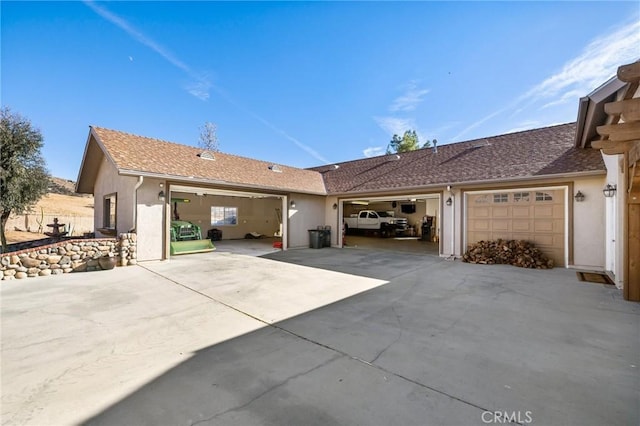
{"points": [[331, 336]]}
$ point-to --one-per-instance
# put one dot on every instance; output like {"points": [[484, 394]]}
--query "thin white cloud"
{"points": [[525, 125], [477, 123], [598, 61], [570, 96], [410, 99], [199, 88], [374, 151], [315, 154], [596, 64], [395, 125]]}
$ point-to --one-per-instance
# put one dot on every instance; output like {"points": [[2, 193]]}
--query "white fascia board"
{"points": [[189, 180]]}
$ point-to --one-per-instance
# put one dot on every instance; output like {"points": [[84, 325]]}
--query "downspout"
{"points": [[453, 227], [134, 228]]}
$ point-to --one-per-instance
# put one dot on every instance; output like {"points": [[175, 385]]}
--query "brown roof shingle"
{"points": [[532, 153], [153, 156]]}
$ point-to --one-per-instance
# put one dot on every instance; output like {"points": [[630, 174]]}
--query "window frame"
{"points": [[541, 197], [501, 197], [226, 214], [107, 205]]}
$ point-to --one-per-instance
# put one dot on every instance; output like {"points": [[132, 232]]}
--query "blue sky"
{"points": [[305, 83]]}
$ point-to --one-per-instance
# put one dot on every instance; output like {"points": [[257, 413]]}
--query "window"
{"points": [[520, 196], [224, 216], [109, 212], [482, 199], [543, 196], [500, 198], [372, 215]]}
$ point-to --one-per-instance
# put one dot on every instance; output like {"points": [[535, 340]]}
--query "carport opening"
{"points": [[235, 221], [409, 224]]}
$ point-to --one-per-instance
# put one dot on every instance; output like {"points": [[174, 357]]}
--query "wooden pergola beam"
{"points": [[620, 132], [629, 73], [629, 109]]}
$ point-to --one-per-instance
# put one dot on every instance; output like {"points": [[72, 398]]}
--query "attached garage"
{"points": [[538, 215]]}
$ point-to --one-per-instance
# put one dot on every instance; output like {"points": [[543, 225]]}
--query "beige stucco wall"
{"points": [[309, 213], [332, 219], [108, 182], [450, 224], [589, 224], [254, 214], [150, 220], [614, 217]]}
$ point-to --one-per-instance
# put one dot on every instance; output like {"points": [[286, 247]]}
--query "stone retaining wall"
{"points": [[81, 255]]}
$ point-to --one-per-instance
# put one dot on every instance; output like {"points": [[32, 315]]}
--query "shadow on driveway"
{"points": [[441, 343]]}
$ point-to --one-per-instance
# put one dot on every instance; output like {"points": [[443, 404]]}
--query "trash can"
{"points": [[326, 235], [315, 238]]}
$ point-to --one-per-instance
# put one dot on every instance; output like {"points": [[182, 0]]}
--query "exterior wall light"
{"points": [[579, 197], [292, 204], [161, 195], [449, 201], [609, 190], [335, 206]]}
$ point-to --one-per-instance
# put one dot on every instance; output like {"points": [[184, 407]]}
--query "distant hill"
{"points": [[63, 187]]}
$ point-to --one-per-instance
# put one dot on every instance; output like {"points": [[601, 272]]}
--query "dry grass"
{"points": [[75, 209]]}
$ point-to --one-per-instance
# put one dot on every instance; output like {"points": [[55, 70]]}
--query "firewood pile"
{"points": [[510, 252]]}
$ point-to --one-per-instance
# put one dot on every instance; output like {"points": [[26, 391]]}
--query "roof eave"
{"points": [[591, 111], [442, 185], [87, 175], [189, 179]]}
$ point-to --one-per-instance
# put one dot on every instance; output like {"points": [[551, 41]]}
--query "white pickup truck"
{"points": [[368, 219]]}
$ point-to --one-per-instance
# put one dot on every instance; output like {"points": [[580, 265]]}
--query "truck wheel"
{"points": [[384, 231]]}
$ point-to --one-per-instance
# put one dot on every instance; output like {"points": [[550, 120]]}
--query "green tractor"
{"points": [[186, 237]]}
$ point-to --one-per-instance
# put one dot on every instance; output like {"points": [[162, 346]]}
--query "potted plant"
{"points": [[107, 261]]}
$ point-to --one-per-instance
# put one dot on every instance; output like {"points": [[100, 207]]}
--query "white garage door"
{"points": [[536, 215]]}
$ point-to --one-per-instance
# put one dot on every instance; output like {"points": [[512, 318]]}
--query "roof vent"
{"points": [[275, 168], [335, 166], [481, 144], [206, 155]]}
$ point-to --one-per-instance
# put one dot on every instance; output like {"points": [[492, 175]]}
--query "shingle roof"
{"points": [[153, 156], [528, 154]]}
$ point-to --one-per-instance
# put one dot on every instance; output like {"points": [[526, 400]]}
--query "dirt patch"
{"points": [[73, 210]]}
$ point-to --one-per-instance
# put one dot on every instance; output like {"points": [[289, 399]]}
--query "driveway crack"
{"points": [[331, 348], [266, 391]]}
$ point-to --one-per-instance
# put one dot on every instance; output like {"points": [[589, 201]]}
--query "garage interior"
{"points": [[237, 221], [422, 213]]}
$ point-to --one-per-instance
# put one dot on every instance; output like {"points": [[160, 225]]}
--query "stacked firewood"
{"points": [[510, 252]]}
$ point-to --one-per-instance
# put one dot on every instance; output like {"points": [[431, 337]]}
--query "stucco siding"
{"points": [[108, 181], [309, 213], [150, 221], [614, 213], [589, 224]]}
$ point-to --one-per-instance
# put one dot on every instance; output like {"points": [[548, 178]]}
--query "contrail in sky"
{"points": [[201, 86], [580, 75]]}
